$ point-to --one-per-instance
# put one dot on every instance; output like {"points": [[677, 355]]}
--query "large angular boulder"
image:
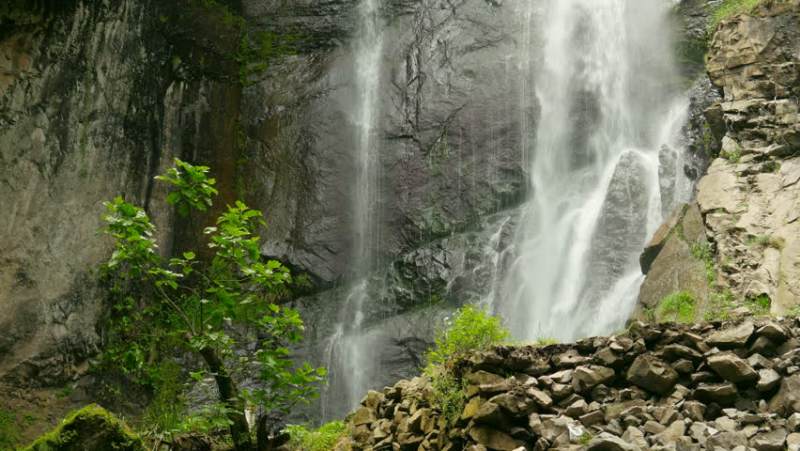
{"points": [[732, 368], [652, 374], [494, 439], [732, 337], [787, 400]]}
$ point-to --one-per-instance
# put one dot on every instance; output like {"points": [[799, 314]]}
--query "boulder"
{"points": [[90, 428], [768, 379], [787, 400], [652, 374], [770, 441], [494, 439], [723, 394], [732, 368], [608, 442], [584, 378], [733, 337]]}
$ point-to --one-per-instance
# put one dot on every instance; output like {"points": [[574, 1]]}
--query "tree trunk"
{"points": [[229, 394]]}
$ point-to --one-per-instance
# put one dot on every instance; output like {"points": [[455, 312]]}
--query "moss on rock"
{"points": [[90, 428]]}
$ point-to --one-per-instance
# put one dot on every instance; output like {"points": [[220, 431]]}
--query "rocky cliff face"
{"points": [[742, 233], [97, 97], [716, 386]]}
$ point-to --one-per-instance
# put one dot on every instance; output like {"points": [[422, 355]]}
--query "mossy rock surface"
{"points": [[88, 429]]}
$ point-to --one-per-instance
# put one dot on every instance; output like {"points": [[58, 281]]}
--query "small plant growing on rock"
{"points": [[471, 329], [166, 306], [759, 305], [678, 307], [766, 241]]}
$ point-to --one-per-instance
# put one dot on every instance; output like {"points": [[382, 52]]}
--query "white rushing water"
{"points": [[610, 122], [347, 354]]}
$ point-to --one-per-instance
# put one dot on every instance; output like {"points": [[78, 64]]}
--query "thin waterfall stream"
{"points": [[347, 352]]}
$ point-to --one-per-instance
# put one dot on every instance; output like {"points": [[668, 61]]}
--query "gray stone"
{"points": [[731, 337], [652, 374], [723, 394], [770, 441], [494, 439], [768, 379], [732, 368], [584, 378], [607, 442]]}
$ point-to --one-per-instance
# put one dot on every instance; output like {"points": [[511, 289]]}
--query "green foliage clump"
{"points": [[734, 156], [90, 428], [719, 306], [766, 241], [727, 9], [678, 307], [759, 305], [471, 329], [703, 252], [166, 412], [322, 439], [164, 306], [9, 433]]}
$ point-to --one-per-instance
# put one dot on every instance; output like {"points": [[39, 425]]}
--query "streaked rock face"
{"points": [[749, 197]]}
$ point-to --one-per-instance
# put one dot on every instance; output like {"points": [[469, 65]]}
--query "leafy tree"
{"points": [[163, 307]]}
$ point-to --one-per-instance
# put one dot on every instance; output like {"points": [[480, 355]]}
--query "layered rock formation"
{"points": [[709, 386], [749, 200]]}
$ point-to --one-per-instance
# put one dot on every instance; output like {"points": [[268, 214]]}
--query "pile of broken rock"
{"points": [[716, 386]]}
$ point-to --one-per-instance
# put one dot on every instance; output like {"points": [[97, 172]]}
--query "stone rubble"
{"points": [[657, 387]]}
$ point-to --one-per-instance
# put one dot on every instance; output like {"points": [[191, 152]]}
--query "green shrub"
{"points": [[9, 434], [322, 439], [679, 307], [719, 306], [727, 9], [471, 329], [760, 305]]}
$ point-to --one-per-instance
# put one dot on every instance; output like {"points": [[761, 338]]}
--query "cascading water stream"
{"points": [[347, 352], [610, 114]]}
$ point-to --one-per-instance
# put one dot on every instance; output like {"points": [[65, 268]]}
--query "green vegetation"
{"points": [[709, 141], [90, 428], [734, 156], [166, 412], [727, 9], [9, 433], [585, 438], [678, 307], [719, 306], [163, 307], [760, 305], [703, 252], [322, 439], [766, 241], [471, 329]]}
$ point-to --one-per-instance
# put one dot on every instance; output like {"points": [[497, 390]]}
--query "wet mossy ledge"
{"points": [[90, 428]]}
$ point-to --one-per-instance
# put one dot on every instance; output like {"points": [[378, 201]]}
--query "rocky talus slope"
{"points": [[716, 386], [746, 217]]}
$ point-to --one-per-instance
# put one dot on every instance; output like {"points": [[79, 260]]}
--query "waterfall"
{"points": [[348, 351], [611, 114]]}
